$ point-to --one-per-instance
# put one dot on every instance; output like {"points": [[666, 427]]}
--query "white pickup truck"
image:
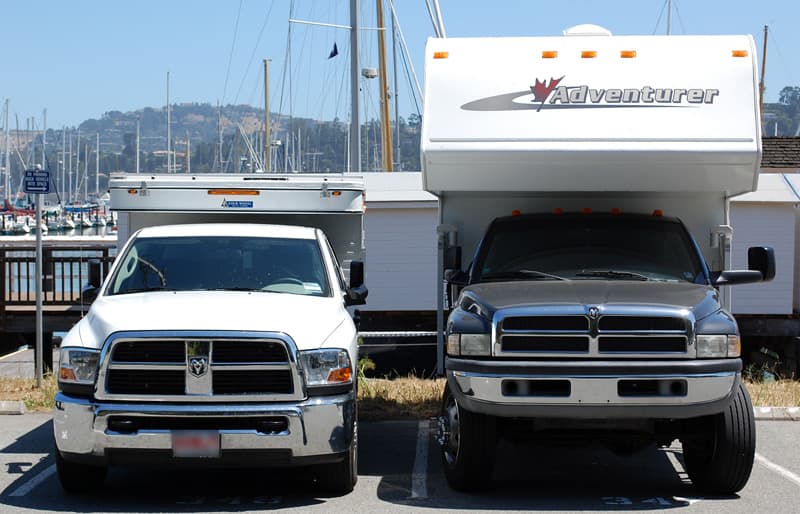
{"points": [[221, 344]]}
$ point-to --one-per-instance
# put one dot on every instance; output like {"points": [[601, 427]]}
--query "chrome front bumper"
{"points": [[319, 429], [594, 389]]}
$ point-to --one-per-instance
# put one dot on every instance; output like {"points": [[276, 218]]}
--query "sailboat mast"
{"points": [[97, 169], [44, 139], [137, 143], [763, 72], [355, 127], [267, 128], [8, 156], [169, 135], [386, 131], [396, 95]]}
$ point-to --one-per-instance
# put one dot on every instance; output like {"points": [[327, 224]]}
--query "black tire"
{"points": [[721, 462], [468, 446], [79, 478], [341, 477]]}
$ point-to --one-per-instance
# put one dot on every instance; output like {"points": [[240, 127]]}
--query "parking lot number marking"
{"points": [[419, 479]]}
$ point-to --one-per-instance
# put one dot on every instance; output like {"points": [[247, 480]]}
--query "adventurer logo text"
{"points": [[553, 94]]}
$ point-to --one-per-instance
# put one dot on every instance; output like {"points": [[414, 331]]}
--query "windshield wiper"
{"points": [[144, 290], [527, 274], [247, 289], [610, 273]]}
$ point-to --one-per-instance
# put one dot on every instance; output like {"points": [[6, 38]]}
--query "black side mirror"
{"points": [[356, 294], [761, 264], [762, 258], [95, 273], [456, 277]]}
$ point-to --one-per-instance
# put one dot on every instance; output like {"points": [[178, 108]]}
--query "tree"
{"points": [[790, 99]]}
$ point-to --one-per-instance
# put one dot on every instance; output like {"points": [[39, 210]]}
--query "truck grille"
{"points": [[199, 369], [611, 336]]}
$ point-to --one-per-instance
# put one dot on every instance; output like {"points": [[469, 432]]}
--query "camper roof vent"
{"points": [[587, 29]]}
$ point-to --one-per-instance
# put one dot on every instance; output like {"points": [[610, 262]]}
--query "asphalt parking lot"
{"points": [[399, 470]]}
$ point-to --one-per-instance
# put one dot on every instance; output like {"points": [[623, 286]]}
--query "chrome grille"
{"points": [[524, 332], [199, 368]]}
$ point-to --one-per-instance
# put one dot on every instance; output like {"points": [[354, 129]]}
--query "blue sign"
{"points": [[234, 204], [37, 182]]}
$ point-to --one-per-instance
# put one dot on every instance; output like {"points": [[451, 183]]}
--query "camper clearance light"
{"points": [[234, 192]]}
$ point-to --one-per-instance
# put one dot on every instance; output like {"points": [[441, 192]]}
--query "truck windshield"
{"points": [[277, 265], [588, 247]]}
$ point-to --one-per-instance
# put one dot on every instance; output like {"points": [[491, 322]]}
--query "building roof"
{"points": [[772, 188], [403, 186], [780, 152]]}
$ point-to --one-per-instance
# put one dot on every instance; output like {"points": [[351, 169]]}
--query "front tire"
{"points": [[341, 477], [721, 462], [79, 478], [468, 442]]}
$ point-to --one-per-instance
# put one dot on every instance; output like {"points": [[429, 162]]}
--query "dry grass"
{"points": [[781, 393], [398, 398], [25, 389]]}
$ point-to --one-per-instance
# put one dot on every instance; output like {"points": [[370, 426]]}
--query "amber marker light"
{"points": [[234, 192], [627, 54], [658, 213], [549, 54], [516, 212], [133, 191], [441, 55], [558, 210], [340, 375], [740, 53], [587, 210], [589, 54], [336, 193], [616, 210]]}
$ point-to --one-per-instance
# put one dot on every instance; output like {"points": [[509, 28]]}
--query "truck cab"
{"points": [[218, 343], [589, 192]]}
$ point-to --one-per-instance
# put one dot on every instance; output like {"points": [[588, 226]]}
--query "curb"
{"points": [[12, 407], [777, 413]]}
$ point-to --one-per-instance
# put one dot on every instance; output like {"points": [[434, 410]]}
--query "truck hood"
{"points": [[306, 319], [701, 300]]}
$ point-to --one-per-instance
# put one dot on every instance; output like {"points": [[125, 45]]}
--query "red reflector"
{"points": [[615, 210], [586, 210], [658, 212], [515, 212], [558, 210]]}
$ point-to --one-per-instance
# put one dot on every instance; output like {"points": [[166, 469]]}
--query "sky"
{"points": [[81, 59]]}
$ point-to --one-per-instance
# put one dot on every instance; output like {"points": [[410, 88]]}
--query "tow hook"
{"points": [[443, 435]]}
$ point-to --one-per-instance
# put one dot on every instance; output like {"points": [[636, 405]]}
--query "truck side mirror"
{"points": [[356, 294], [456, 277], [95, 274], [762, 258], [761, 264], [90, 290]]}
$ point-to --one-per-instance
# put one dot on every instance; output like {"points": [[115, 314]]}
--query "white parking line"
{"points": [[419, 479], [31, 484], [785, 473]]}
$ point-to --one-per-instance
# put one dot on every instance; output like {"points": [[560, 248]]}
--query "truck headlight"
{"points": [[78, 366], [716, 346], [469, 344], [326, 367]]}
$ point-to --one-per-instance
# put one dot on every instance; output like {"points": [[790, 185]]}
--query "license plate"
{"points": [[195, 443]]}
